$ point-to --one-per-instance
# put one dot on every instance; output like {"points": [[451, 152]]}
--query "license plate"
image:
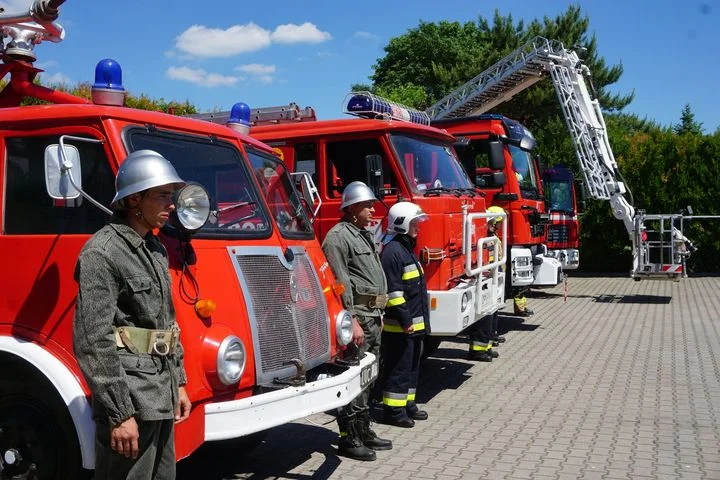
{"points": [[368, 374]]}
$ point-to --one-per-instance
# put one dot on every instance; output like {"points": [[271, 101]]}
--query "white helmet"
{"points": [[356, 192], [401, 214]]}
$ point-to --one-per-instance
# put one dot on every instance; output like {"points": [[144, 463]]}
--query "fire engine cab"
{"points": [[394, 150], [258, 308]]}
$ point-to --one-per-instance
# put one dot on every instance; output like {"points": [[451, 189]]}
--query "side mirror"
{"points": [[498, 178], [63, 176], [373, 167], [308, 193], [496, 150], [580, 196]]}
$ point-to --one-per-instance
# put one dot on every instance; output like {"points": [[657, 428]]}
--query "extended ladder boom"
{"points": [[521, 69], [541, 58]]}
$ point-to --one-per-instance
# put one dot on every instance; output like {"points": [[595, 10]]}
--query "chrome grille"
{"points": [[290, 318]]}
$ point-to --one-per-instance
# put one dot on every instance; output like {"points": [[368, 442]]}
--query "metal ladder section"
{"points": [[519, 70], [658, 251], [497, 84], [264, 115]]}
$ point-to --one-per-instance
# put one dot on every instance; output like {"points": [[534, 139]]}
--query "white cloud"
{"points": [[200, 77], [305, 33], [365, 35], [255, 69], [266, 79], [56, 79], [202, 41]]}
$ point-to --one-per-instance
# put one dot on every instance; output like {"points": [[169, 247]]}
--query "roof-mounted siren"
{"points": [[239, 120], [369, 105], [108, 88]]}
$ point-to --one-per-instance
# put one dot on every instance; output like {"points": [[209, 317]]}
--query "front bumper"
{"points": [[448, 318], [235, 418]]}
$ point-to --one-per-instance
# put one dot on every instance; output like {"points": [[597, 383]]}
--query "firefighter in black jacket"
{"points": [[407, 316]]}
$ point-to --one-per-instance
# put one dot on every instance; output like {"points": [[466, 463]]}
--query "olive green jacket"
{"points": [[123, 280], [355, 261]]}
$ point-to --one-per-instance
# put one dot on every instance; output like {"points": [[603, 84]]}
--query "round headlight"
{"points": [[344, 327], [192, 206], [231, 360], [465, 300]]}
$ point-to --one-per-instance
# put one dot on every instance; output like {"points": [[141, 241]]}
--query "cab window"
{"points": [[28, 208]]}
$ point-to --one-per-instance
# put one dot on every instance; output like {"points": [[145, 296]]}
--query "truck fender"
{"points": [[66, 385]]}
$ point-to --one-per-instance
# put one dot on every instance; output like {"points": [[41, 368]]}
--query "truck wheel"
{"points": [[37, 436], [431, 344]]}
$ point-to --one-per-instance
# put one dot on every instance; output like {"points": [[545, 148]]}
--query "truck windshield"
{"points": [[525, 172], [559, 196], [429, 164], [282, 197], [220, 168]]}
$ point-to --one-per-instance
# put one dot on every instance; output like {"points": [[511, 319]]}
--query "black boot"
{"points": [[368, 436], [415, 413], [397, 417], [480, 356], [350, 444], [493, 353]]}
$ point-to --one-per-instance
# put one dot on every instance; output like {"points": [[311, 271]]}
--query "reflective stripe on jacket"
{"points": [[407, 290]]}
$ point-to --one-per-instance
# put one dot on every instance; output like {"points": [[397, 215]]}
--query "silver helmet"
{"points": [[141, 170], [356, 192]]}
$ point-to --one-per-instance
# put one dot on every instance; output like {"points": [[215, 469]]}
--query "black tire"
{"points": [[431, 344], [35, 423]]}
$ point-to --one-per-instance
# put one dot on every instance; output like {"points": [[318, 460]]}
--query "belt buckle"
{"points": [[160, 345]]}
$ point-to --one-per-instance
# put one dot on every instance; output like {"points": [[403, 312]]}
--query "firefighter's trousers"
{"points": [[401, 354], [156, 460], [482, 334], [371, 327]]}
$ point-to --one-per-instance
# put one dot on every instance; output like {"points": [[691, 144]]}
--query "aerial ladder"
{"points": [[659, 247]]}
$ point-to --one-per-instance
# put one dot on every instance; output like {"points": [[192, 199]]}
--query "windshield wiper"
{"points": [[435, 192], [470, 192], [234, 206]]}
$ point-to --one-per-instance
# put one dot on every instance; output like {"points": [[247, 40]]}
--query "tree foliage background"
{"points": [[666, 168], [141, 101]]}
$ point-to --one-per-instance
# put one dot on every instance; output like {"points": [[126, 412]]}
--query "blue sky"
{"points": [[219, 52]]}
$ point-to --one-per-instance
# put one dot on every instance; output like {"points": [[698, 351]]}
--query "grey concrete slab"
{"points": [[618, 379]]}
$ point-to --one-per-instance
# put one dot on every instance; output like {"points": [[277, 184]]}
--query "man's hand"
{"points": [[409, 329], [182, 411], [358, 337], [124, 438]]}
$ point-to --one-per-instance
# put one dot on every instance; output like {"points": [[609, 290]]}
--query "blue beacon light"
{"points": [[239, 120], [108, 88], [369, 105]]}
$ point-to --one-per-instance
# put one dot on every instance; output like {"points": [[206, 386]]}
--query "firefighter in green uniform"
{"points": [[125, 337], [353, 257], [408, 316]]}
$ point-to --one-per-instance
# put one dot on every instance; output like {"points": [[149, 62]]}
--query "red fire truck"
{"points": [[258, 307], [395, 151], [564, 203], [500, 152]]}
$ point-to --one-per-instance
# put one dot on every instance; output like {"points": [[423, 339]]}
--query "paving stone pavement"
{"points": [[619, 381]]}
